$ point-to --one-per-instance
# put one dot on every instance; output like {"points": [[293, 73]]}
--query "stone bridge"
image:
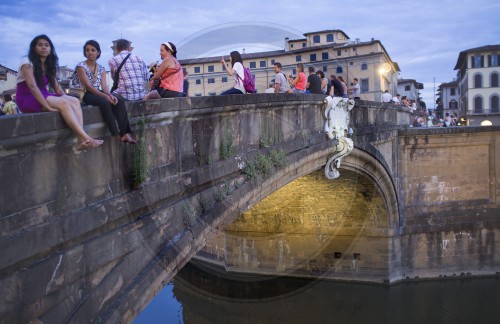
{"points": [[96, 234]]}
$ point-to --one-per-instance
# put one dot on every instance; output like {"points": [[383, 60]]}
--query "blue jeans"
{"points": [[231, 91]]}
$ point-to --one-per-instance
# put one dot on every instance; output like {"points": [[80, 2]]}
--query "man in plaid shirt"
{"points": [[133, 75]]}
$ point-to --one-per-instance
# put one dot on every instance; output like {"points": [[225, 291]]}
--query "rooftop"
{"points": [[463, 54]]}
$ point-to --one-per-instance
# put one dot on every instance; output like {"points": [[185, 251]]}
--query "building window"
{"points": [[294, 71], [312, 57], [272, 62], [493, 60], [477, 61], [494, 79], [303, 44], [262, 63], [198, 81], [339, 70], [453, 104], [324, 56], [291, 45], [198, 94], [211, 93], [316, 39], [364, 85], [210, 68], [298, 58], [325, 68], [253, 65], [407, 88], [329, 38], [224, 79], [196, 69], [364, 66], [478, 105], [339, 53], [478, 81], [494, 105], [452, 91], [211, 80]]}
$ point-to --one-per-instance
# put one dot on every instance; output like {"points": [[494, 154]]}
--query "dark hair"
{"points": [[174, 49], [310, 69], [51, 63], [94, 44], [355, 79], [122, 44], [321, 74], [235, 57], [278, 64], [300, 67], [7, 97], [341, 78]]}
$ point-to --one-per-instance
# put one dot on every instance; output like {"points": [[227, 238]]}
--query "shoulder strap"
{"points": [[117, 73]]}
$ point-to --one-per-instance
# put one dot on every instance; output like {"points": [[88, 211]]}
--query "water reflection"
{"points": [[312, 227], [198, 296]]}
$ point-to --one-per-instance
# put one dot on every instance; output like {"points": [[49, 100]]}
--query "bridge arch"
{"points": [[358, 161]]}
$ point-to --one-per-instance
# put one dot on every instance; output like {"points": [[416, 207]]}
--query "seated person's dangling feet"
{"points": [[128, 139]]}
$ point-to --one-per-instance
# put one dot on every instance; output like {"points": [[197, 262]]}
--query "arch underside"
{"points": [[358, 161]]}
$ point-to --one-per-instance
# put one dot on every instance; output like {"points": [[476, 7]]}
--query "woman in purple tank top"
{"points": [[36, 72]]}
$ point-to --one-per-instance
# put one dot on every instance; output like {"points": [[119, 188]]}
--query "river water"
{"points": [[308, 301], [314, 252]]}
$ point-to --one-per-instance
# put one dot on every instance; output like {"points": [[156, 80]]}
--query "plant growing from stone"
{"points": [[140, 156]]}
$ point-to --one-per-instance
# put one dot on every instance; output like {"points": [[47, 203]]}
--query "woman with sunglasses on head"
{"points": [[36, 72], [91, 76], [169, 75]]}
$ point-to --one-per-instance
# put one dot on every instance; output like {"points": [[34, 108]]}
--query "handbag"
{"points": [[77, 93], [156, 84]]}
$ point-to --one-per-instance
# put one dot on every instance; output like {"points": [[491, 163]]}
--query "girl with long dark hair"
{"points": [[236, 70], [92, 76], [36, 73]]}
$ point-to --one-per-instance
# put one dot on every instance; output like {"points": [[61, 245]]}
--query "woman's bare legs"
{"points": [[72, 115]]}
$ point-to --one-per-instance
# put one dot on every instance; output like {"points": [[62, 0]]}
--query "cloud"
{"points": [[424, 37]]}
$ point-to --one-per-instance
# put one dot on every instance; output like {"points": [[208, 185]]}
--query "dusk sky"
{"points": [[423, 37]]}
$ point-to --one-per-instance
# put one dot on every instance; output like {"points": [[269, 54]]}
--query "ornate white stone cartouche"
{"points": [[336, 114]]}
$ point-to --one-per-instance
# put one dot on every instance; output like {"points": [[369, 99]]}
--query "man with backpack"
{"points": [[280, 83]]}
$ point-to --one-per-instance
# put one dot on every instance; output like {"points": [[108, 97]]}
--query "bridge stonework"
{"points": [[78, 242]]}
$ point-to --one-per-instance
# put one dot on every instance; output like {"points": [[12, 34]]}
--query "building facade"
{"points": [[448, 99], [8, 79], [410, 89], [330, 51], [478, 74]]}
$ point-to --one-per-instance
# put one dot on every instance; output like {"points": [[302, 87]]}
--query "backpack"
{"points": [[248, 82]]}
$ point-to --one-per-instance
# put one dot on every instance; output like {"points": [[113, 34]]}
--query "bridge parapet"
{"points": [[70, 218]]}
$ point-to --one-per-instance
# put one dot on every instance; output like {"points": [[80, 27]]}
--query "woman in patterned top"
{"points": [[92, 76], [36, 72]]}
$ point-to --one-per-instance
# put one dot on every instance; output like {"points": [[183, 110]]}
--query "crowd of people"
{"points": [[134, 80], [315, 82], [38, 89], [398, 100]]}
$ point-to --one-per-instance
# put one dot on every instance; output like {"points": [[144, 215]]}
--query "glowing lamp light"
{"points": [[486, 123]]}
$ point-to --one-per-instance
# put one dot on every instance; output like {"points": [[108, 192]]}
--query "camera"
{"points": [[352, 83]]}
